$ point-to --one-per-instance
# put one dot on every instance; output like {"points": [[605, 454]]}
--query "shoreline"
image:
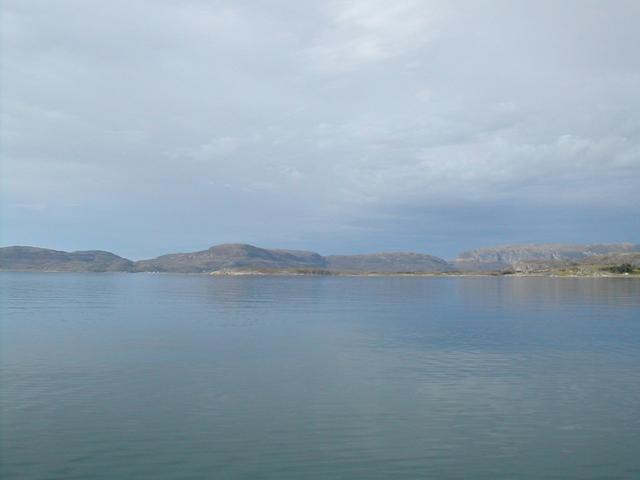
{"points": [[258, 273]]}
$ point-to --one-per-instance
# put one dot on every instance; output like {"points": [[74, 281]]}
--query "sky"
{"points": [[351, 126]]}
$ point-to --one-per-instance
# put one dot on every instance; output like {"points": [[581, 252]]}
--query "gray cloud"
{"points": [[339, 126]]}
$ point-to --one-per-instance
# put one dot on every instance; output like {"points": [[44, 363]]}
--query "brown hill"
{"points": [[20, 258]]}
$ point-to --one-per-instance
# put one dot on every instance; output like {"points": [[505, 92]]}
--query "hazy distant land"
{"points": [[239, 259]]}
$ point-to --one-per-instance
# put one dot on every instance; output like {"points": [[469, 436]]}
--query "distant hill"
{"points": [[247, 257], [227, 257], [235, 258], [393, 262], [45, 260], [232, 256], [511, 256]]}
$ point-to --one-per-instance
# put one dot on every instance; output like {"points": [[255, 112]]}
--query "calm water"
{"points": [[116, 376]]}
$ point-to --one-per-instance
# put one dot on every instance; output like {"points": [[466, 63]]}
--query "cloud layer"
{"points": [[339, 126]]}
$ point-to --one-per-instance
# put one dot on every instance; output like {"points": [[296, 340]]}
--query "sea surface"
{"points": [[142, 376]]}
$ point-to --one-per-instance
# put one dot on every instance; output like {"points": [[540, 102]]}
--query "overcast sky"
{"points": [[145, 127]]}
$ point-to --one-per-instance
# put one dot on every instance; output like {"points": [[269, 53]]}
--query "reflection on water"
{"points": [[159, 376]]}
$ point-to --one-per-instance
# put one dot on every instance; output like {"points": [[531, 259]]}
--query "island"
{"points": [[618, 259]]}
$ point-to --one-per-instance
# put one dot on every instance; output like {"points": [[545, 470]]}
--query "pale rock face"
{"points": [[514, 256]]}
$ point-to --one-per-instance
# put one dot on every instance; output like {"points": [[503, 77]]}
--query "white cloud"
{"points": [[362, 32], [34, 207], [304, 115], [213, 150]]}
